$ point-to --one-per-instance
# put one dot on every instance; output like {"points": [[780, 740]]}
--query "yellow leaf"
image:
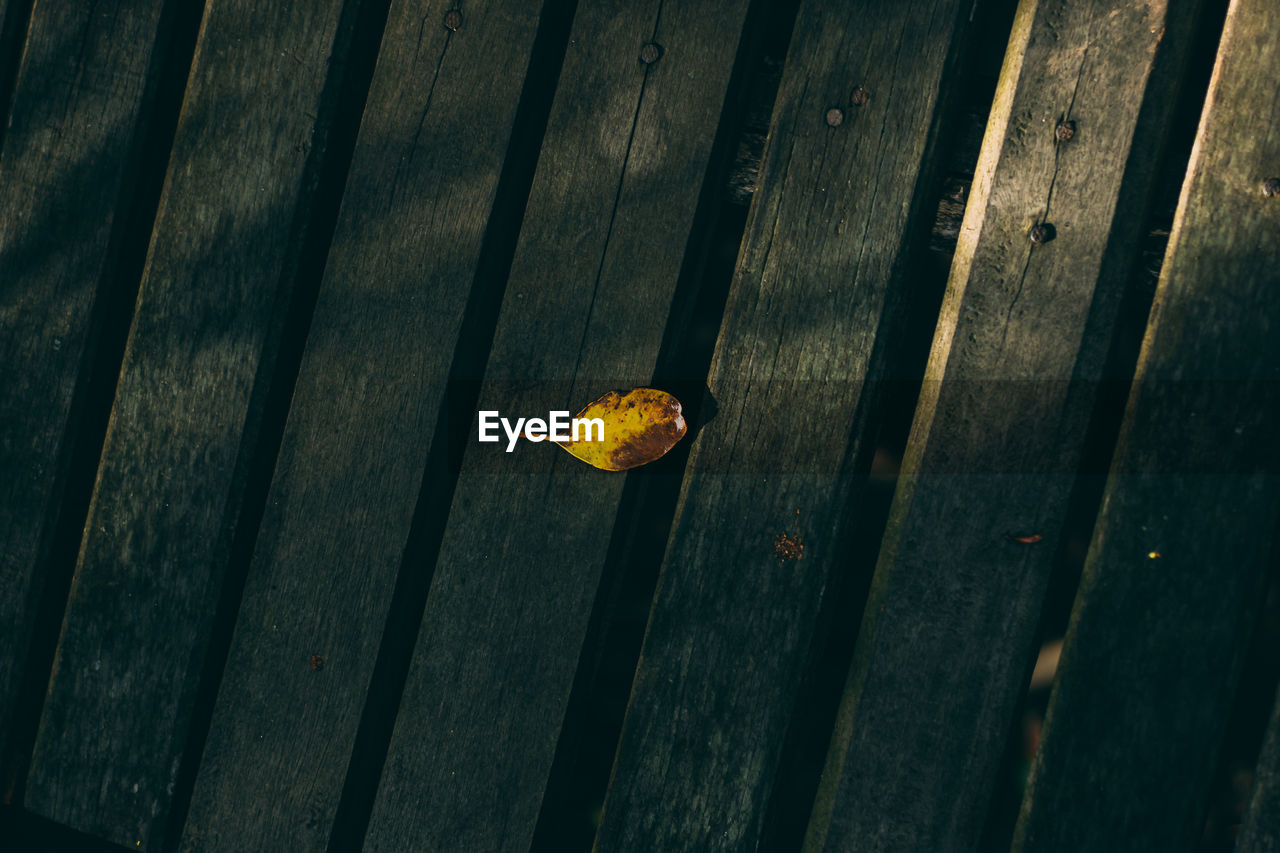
{"points": [[640, 426]]}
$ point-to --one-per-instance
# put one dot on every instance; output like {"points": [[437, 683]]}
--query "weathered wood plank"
{"points": [[1178, 563], [373, 377], [24, 831], [589, 297], [68, 169], [1261, 832], [233, 220], [1019, 350], [825, 260]]}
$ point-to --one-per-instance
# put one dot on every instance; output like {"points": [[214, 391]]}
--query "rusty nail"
{"points": [[1042, 233], [835, 116], [651, 53], [317, 663], [861, 97], [1065, 130], [453, 20], [1271, 187]]}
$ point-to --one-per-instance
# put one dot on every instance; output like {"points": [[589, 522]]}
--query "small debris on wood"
{"points": [[1026, 540], [317, 663], [787, 548]]}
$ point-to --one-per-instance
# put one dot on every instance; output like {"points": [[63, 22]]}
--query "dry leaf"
{"points": [[640, 426]]}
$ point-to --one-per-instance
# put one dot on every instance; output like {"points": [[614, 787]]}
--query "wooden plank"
{"points": [[233, 221], [1261, 831], [408, 241], [68, 168], [824, 259], [1177, 568], [588, 300], [1018, 354], [22, 830]]}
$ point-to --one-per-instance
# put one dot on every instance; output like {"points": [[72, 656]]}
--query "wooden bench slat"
{"points": [[423, 179], [807, 324], [587, 303], [1176, 571], [216, 291], [1019, 352], [68, 168]]}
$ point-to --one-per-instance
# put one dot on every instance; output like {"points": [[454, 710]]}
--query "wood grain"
{"points": [[425, 170], [1177, 568], [587, 303], [1018, 353], [68, 169], [773, 477], [199, 361]]}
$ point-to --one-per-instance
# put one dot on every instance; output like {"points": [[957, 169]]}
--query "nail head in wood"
{"points": [[835, 116], [651, 53], [452, 20], [861, 97], [1065, 131], [1042, 233], [1271, 187]]}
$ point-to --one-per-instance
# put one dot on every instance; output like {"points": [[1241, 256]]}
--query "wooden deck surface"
{"points": [[951, 399]]}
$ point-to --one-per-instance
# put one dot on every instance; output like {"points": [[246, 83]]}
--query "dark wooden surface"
{"points": [[1172, 588], [280, 600], [369, 391], [586, 305], [1261, 830], [184, 426], [69, 167], [1020, 349], [825, 258]]}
